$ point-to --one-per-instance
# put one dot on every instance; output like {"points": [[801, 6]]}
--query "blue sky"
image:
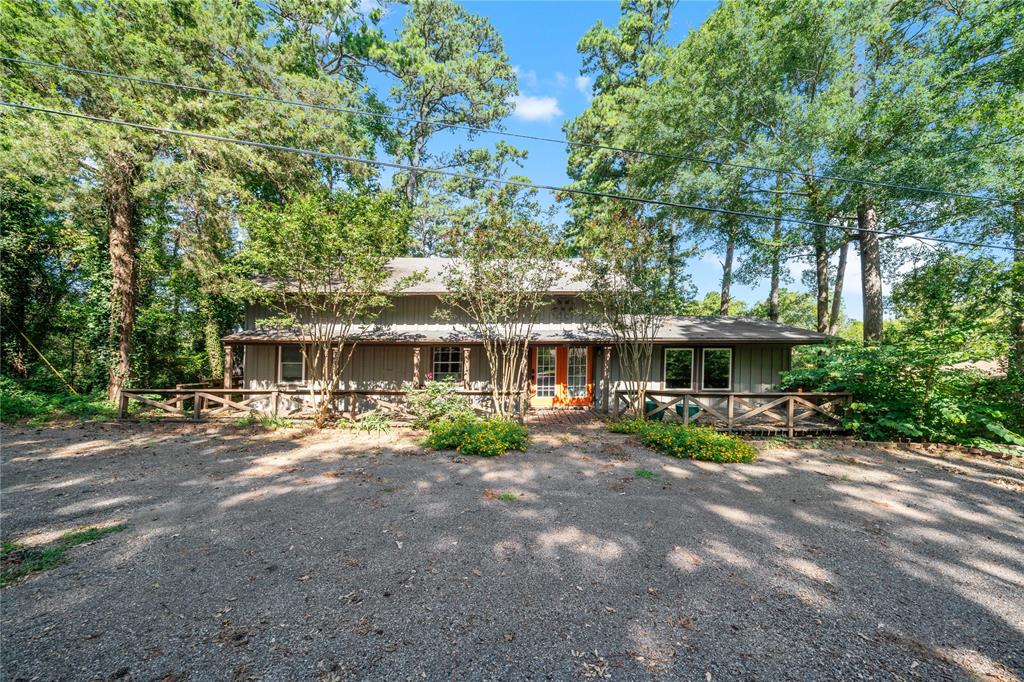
{"points": [[540, 38]]}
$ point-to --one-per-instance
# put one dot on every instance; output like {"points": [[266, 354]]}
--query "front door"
{"points": [[562, 376]]}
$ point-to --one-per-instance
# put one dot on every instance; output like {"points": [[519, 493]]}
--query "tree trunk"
{"points": [[821, 256], [870, 272], [1015, 369], [773, 293], [730, 252], [120, 175], [837, 292]]}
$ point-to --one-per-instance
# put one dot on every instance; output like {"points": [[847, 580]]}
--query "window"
{"points": [[446, 364], [679, 368], [292, 369], [576, 380], [717, 369], [545, 375]]}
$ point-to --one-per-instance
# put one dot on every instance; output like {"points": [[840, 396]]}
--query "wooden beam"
{"points": [[606, 378], [465, 367], [416, 367], [229, 362]]}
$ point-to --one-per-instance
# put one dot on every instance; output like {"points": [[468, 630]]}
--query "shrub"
{"points": [[688, 442], [19, 402], [483, 437], [437, 400]]}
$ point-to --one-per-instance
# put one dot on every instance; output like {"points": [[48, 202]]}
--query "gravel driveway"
{"points": [[329, 556]]}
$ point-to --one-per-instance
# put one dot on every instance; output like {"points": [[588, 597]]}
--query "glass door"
{"points": [[545, 365]]}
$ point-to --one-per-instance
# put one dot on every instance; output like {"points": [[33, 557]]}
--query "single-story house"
{"points": [[572, 361]]}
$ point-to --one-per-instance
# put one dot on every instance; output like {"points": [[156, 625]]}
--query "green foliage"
{"points": [[18, 402], [17, 561], [483, 437], [437, 400], [375, 422], [646, 473], [688, 442], [253, 419], [909, 389], [507, 497]]}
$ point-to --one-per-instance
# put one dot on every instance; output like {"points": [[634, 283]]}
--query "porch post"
{"points": [[416, 367], [606, 358], [229, 361], [465, 367]]}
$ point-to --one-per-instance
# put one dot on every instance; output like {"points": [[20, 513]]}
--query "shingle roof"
{"points": [[702, 330]]}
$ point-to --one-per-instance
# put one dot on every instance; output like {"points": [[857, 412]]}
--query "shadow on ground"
{"points": [[296, 556]]}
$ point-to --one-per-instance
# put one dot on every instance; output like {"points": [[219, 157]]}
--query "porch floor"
{"points": [[562, 416]]}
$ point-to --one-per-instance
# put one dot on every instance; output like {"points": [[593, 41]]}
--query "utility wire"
{"points": [[476, 178], [521, 136]]}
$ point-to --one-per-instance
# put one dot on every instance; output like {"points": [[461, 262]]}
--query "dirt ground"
{"points": [[279, 556]]}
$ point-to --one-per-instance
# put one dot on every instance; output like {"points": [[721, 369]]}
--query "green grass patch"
{"points": [[508, 497], [17, 561], [645, 473], [482, 437], [688, 442], [18, 403]]}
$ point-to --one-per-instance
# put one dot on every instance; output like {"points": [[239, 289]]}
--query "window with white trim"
{"points": [[291, 366], [446, 363], [679, 368], [717, 369]]}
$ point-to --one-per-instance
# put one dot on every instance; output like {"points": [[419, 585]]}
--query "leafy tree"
{"points": [[319, 263], [449, 66], [632, 290]]}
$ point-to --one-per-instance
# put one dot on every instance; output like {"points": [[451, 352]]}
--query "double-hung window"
{"points": [[446, 363], [679, 368], [717, 370], [291, 368]]}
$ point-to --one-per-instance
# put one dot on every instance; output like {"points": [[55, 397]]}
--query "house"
{"points": [[572, 362]]}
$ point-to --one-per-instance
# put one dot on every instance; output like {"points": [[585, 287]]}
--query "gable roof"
{"points": [[677, 330], [433, 270]]}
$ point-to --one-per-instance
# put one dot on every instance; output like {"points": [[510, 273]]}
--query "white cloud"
{"points": [[560, 80], [527, 78], [531, 108], [585, 84]]}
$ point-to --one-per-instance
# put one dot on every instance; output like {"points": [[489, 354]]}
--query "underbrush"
{"points": [[252, 419], [437, 400], [18, 402], [688, 442], [471, 436], [18, 561]]}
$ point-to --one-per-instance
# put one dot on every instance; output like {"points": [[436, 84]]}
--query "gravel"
{"points": [[296, 555]]}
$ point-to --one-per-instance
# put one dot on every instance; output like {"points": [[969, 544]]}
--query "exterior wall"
{"points": [[371, 367], [422, 309], [756, 368]]}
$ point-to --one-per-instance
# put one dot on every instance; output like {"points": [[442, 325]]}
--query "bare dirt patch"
{"points": [[293, 555]]}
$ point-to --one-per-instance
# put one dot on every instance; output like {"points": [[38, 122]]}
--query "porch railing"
{"points": [[772, 412], [197, 403]]}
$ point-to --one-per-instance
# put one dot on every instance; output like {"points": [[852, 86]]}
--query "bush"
{"points": [[19, 402], [482, 437], [688, 442], [437, 400]]}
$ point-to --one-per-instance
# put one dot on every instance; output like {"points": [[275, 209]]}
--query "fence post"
{"points": [[274, 400], [197, 405], [731, 404], [615, 404], [686, 410], [122, 406], [789, 415], [352, 406]]}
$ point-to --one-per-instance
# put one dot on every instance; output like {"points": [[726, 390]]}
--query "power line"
{"points": [[521, 136], [466, 176]]}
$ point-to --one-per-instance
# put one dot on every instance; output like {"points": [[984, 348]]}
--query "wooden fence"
{"points": [[197, 403], [787, 413]]}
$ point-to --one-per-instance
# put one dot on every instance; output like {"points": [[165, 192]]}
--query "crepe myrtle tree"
{"points": [[633, 285], [500, 282], [318, 263]]}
